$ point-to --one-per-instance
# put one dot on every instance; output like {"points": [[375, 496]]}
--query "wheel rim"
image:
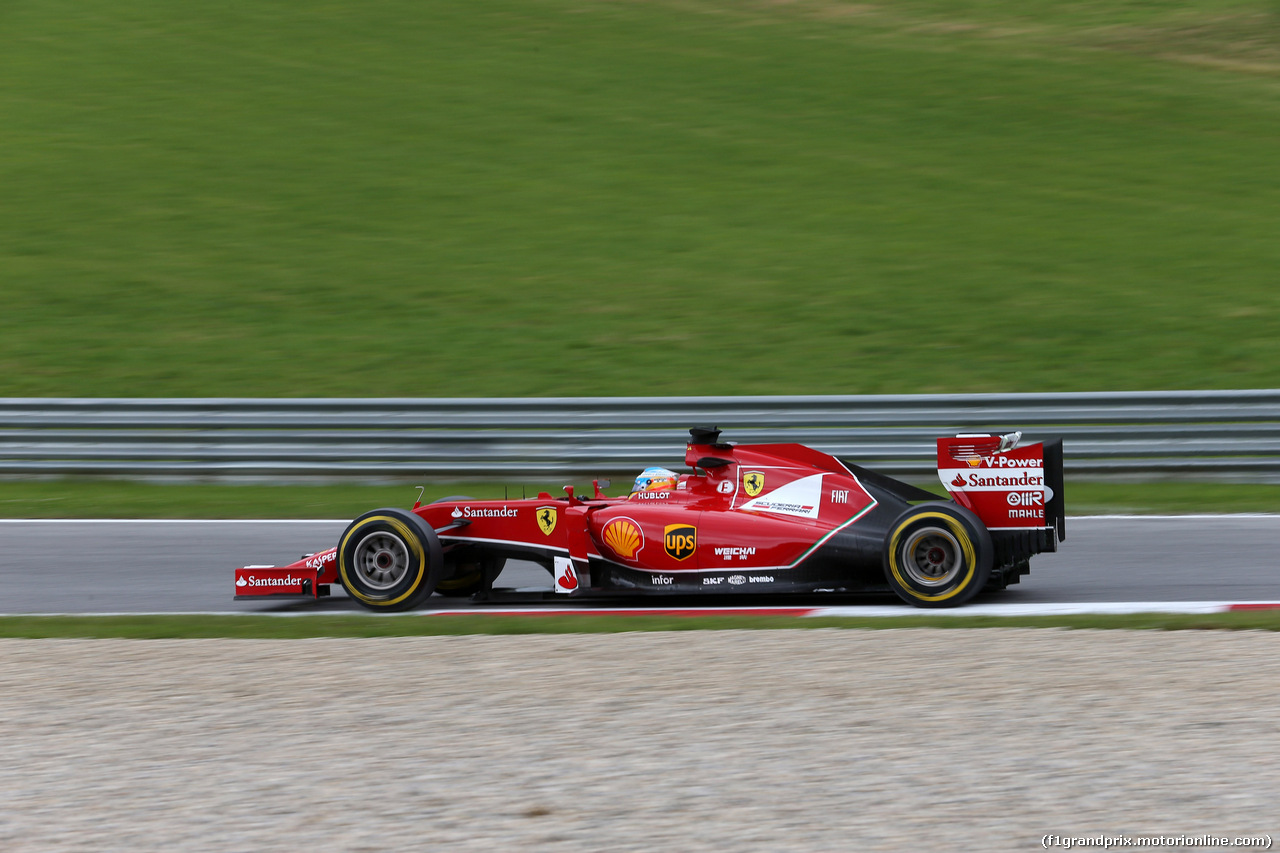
{"points": [[931, 557], [381, 560]]}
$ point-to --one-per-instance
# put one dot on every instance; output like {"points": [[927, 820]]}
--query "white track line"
{"points": [[1042, 609], [1053, 608]]}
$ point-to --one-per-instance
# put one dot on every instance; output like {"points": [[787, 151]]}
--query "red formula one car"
{"points": [[764, 518]]}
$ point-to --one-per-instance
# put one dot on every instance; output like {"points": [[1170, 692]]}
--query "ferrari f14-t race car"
{"points": [[763, 518]]}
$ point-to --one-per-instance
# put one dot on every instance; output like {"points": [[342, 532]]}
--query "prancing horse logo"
{"points": [[753, 482], [546, 519]]}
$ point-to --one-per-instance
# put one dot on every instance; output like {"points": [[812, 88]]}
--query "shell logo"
{"points": [[623, 537]]}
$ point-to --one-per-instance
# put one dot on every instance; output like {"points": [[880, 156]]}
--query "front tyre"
{"points": [[937, 555], [389, 559]]}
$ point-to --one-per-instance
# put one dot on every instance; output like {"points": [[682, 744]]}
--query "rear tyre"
{"points": [[937, 555], [389, 559]]}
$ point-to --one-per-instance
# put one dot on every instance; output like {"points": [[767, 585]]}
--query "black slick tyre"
{"points": [[937, 555], [389, 559]]}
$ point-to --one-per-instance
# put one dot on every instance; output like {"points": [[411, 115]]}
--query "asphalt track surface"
{"points": [[186, 566]]}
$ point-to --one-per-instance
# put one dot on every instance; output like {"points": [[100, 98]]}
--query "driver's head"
{"points": [[655, 480]]}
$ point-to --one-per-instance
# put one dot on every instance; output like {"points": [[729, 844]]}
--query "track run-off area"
{"points": [[1108, 564], [750, 740]]}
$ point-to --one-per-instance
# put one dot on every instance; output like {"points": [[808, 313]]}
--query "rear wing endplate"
{"points": [[1008, 486]]}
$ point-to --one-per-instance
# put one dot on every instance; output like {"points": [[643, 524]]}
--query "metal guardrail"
{"points": [[1226, 435]]}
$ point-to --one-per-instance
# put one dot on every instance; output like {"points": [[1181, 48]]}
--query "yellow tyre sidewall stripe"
{"points": [[409, 538], [966, 546]]}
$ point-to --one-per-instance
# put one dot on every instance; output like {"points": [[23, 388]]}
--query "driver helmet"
{"points": [[655, 480]]}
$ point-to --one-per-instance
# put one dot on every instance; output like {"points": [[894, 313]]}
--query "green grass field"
{"points": [[126, 499], [189, 626], [538, 197]]}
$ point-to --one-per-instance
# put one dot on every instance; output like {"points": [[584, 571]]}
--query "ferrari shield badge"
{"points": [[753, 483], [546, 519]]}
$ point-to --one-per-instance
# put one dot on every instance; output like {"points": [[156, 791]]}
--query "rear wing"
{"points": [[1007, 486]]}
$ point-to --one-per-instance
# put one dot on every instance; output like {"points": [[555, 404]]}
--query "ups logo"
{"points": [[680, 540]]}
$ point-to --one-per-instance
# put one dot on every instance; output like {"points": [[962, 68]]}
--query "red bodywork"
{"points": [[1006, 489], [752, 518]]}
